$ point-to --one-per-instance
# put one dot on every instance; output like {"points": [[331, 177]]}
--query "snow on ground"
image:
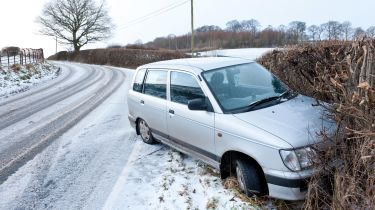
{"points": [[162, 178], [247, 53], [18, 78]]}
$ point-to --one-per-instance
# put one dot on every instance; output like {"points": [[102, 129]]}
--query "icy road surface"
{"points": [[68, 145]]}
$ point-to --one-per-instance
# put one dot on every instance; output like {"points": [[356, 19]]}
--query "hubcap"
{"points": [[144, 130], [240, 179]]}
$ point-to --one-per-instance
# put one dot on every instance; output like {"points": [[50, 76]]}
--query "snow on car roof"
{"points": [[198, 64]]}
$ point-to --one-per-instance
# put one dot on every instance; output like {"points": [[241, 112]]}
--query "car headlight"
{"points": [[298, 159]]}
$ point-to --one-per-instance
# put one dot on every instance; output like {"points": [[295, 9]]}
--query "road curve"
{"points": [[30, 121]]}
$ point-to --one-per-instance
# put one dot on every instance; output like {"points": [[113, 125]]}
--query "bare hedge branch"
{"points": [[342, 73]]}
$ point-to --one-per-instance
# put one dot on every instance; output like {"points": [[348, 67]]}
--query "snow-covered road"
{"points": [[55, 162], [68, 144]]}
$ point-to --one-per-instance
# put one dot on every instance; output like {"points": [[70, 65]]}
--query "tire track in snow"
{"points": [[57, 126], [26, 110]]}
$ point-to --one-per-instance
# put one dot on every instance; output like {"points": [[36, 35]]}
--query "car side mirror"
{"points": [[202, 104]]}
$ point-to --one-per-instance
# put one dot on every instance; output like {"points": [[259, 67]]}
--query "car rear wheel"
{"points": [[249, 180], [145, 132]]}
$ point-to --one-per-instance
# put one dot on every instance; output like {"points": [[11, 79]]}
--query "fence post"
{"points": [[42, 54]]}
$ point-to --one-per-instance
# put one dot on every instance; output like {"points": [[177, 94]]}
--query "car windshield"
{"points": [[242, 86]]}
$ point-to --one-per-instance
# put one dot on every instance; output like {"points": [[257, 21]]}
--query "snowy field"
{"points": [[247, 53], [21, 78]]}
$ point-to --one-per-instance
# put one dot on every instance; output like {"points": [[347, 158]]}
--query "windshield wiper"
{"points": [[262, 101], [284, 95], [288, 94]]}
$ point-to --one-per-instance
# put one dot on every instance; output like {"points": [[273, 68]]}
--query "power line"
{"points": [[154, 13]]}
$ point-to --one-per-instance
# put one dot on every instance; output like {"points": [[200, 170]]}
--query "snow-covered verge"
{"points": [[161, 178], [18, 78]]}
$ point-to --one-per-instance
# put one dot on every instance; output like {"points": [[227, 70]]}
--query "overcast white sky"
{"points": [[18, 27]]}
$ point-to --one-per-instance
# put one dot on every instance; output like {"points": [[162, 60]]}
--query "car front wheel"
{"points": [[145, 132], [249, 180]]}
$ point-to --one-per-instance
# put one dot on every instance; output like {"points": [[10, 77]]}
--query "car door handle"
{"points": [[171, 111], [142, 102]]}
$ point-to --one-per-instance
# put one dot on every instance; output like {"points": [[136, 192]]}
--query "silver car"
{"points": [[234, 115]]}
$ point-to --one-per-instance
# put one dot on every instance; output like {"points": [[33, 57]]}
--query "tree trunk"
{"points": [[75, 42], [76, 47]]}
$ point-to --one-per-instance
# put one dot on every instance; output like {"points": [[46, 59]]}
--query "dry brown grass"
{"points": [[342, 73], [231, 183], [15, 67]]}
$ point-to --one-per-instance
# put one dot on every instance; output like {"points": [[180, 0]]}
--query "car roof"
{"points": [[197, 65]]}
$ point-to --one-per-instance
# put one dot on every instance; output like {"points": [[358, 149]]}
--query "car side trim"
{"points": [[285, 182], [189, 146]]}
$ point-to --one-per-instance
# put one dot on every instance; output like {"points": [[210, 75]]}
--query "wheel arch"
{"points": [[136, 125], [227, 164]]}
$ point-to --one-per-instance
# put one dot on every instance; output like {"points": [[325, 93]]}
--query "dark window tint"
{"points": [[184, 87], [138, 81], [156, 83]]}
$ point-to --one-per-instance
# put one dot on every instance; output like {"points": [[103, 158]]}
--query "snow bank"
{"points": [[19, 78]]}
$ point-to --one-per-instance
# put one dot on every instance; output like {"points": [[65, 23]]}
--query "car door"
{"points": [[153, 102], [135, 96], [192, 130]]}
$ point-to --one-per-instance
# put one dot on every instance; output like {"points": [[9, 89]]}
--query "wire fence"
{"points": [[9, 57]]}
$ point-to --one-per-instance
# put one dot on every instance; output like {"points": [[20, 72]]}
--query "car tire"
{"points": [[145, 132], [249, 178]]}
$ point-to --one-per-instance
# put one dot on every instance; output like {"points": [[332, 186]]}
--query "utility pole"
{"points": [[192, 28], [56, 43]]}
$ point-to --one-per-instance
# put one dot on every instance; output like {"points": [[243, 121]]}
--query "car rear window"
{"points": [[156, 83], [138, 81]]}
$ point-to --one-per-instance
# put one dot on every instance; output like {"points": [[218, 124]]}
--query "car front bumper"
{"points": [[288, 185]]}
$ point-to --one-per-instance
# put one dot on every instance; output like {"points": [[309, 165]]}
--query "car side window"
{"points": [[138, 81], [184, 87], [156, 83]]}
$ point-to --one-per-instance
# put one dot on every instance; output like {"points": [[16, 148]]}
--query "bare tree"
{"points": [[370, 32], [251, 25], [314, 31], [234, 26], [359, 33], [320, 32], [298, 28], [333, 30], [208, 28], [347, 30], [76, 22]]}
